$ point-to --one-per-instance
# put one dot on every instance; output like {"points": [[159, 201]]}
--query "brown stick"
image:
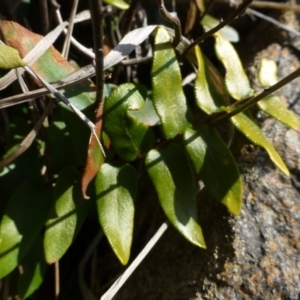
{"points": [[171, 18]]}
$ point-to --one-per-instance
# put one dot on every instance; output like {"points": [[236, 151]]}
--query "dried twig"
{"points": [[26, 143], [66, 48], [275, 5], [78, 18], [122, 279], [272, 20]]}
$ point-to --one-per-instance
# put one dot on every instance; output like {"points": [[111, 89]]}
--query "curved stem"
{"points": [[171, 18]]}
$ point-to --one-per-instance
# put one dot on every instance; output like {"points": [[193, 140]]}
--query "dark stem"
{"points": [[130, 15], [247, 103], [44, 16], [96, 10], [240, 10]]}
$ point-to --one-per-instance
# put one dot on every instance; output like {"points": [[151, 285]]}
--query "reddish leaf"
{"points": [[24, 40], [95, 156], [51, 66]]}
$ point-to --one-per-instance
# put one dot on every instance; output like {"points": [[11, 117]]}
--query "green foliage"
{"points": [[212, 159], [118, 3], [173, 180], [144, 129], [227, 32], [129, 137], [115, 194], [207, 97], [10, 58], [67, 213], [23, 220], [168, 97], [238, 89], [248, 127]]}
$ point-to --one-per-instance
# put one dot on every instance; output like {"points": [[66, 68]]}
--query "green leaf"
{"points": [[207, 97], [117, 3], [24, 218], [216, 166], [68, 213], [247, 126], [210, 91], [129, 137], [173, 180], [226, 32], [168, 97], [34, 268], [10, 58], [147, 114], [236, 80], [272, 104], [116, 189]]}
